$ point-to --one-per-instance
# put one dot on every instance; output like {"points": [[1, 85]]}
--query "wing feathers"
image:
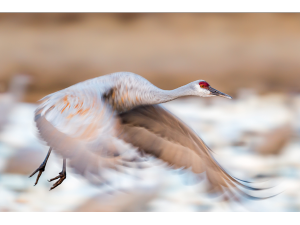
{"points": [[158, 132], [83, 128], [159, 147]]}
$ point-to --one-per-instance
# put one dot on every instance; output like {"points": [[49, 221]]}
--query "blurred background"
{"points": [[254, 57]]}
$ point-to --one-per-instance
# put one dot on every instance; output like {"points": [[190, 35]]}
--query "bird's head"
{"points": [[203, 89]]}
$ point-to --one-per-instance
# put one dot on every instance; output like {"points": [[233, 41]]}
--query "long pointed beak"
{"points": [[218, 93]]}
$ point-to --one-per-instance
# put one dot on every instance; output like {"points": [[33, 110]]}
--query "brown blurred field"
{"points": [[230, 51]]}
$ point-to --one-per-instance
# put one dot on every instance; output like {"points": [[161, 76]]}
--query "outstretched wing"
{"points": [[79, 125], [158, 132]]}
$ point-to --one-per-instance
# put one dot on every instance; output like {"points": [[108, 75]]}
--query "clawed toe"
{"points": [[62, 176], [41, 169]]}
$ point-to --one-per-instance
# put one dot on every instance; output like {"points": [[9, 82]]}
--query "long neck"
{"points": [[161, 96], [124, 97]]}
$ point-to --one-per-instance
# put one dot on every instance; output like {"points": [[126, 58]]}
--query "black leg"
{"points": [[62, 176], [41, 168]]}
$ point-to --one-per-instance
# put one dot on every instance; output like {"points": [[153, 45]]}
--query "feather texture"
{"points": [[158, 132], [102, 122]]}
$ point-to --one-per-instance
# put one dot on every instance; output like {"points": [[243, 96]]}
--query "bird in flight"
{"points": [[113, 120]]}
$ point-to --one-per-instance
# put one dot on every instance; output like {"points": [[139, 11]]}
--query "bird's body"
{"points": [[110, 120], [123, 91]]}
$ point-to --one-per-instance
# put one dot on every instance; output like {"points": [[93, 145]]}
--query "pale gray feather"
{"points": [[100, 123]]}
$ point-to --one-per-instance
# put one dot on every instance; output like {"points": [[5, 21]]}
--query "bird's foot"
{"points": [[41, 169], [62, 176]]}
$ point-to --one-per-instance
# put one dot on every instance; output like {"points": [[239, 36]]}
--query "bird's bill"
{"points": [[218, 93]]}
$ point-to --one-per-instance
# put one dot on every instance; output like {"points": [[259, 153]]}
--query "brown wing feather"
{"points": [[158, 132]]}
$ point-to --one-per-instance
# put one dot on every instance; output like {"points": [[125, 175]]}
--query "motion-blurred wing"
{"points": [[159, 133], [80, 126]]}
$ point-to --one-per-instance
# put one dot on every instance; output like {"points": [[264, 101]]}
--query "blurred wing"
{"points": [[159, 133], [80, 126]]}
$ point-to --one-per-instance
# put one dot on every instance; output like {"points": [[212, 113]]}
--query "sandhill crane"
{"points": [[108, 121]]}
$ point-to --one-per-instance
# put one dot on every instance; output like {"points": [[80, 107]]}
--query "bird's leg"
{"points": [[41, 168], [62, 176]]}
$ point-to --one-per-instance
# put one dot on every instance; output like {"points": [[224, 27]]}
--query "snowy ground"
{"points": [[232, 128]]}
